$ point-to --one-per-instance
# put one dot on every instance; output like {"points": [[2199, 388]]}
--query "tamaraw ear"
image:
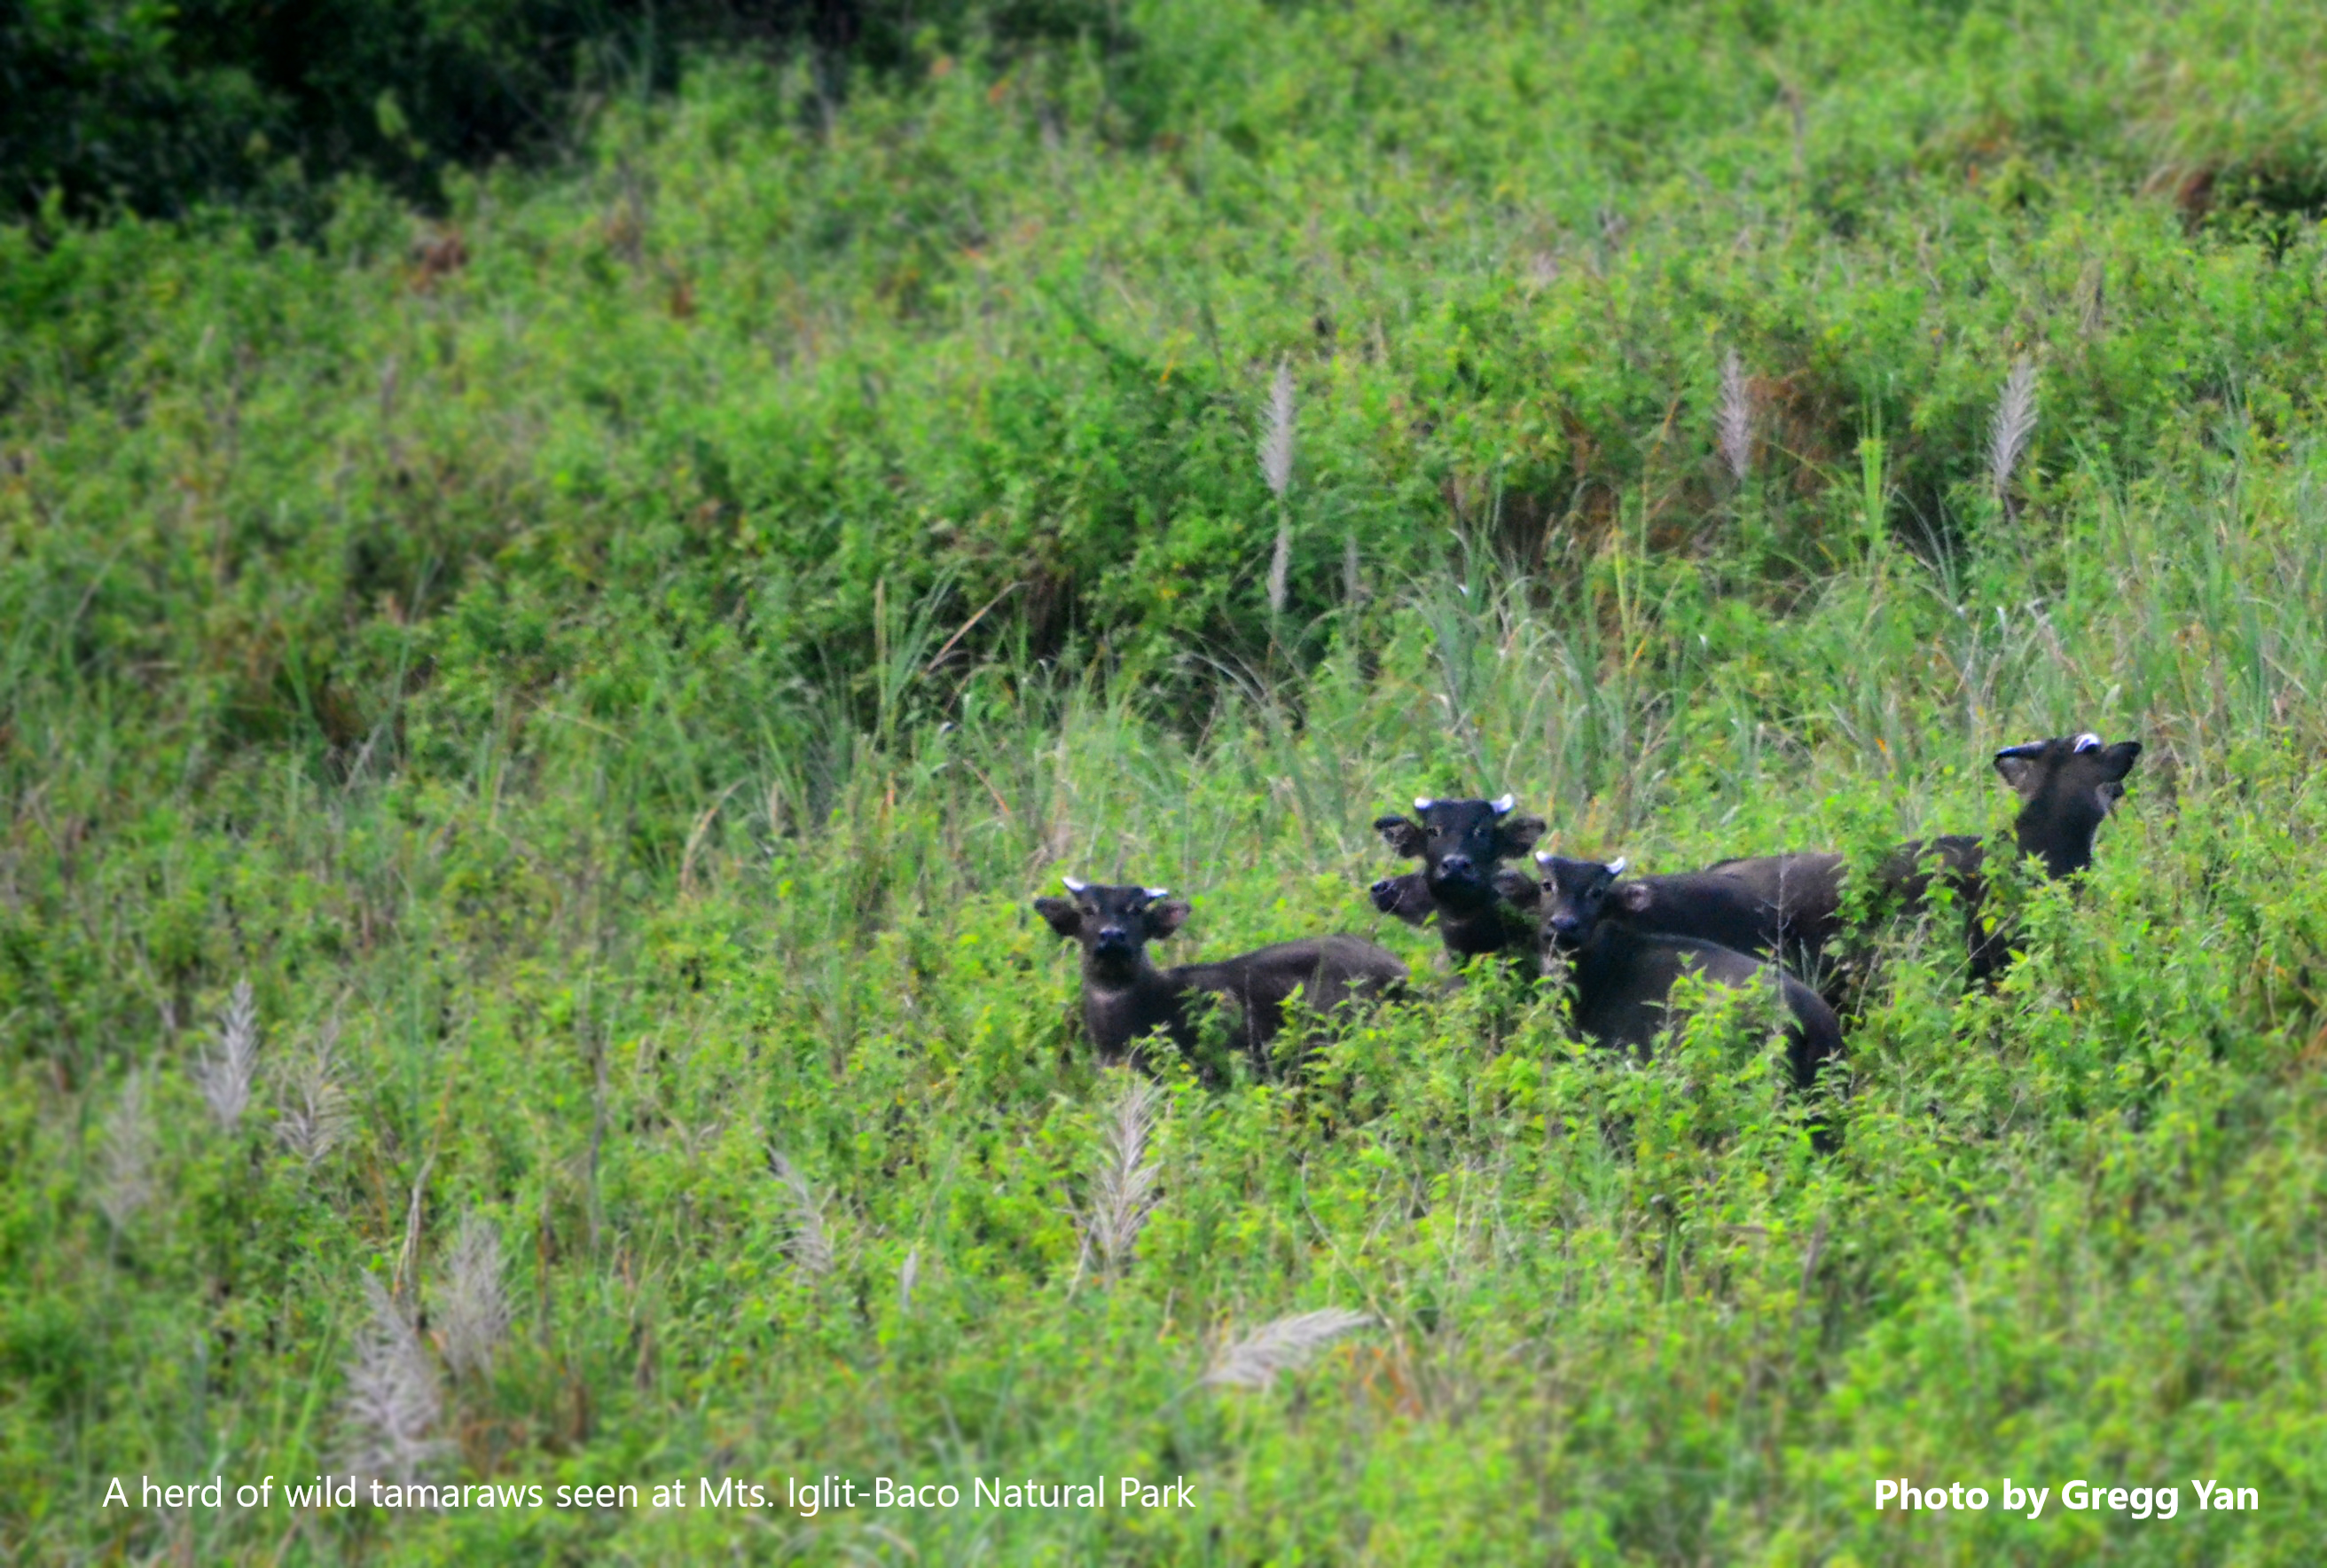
{"points": [[1515, 835], [2118, 761], [1516, 887], [1405, 835], [1065, 915], [1166, 918], [1635, 898]]}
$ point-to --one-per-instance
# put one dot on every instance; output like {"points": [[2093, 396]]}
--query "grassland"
{"points": [[610, 663]]}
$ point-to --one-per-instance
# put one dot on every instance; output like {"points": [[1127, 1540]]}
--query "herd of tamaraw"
{"points": [[1621, 942]]}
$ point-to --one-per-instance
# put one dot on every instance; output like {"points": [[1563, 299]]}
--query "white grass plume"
{"points": [[1277, 470], [1735, 423], [811, 1243], [124, 1159], [313, 1114], [907, 1277], [2015, 421], [1255, 1360], [225, 1078], [388, 1414], [475, 1314], [1124, 1192], [1277, 433]]}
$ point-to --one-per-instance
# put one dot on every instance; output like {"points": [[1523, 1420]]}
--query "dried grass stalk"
{"points": [[1255, 1360], [1277, 433], [1124, 1192], [225, 1078], [811, 1243], [1277, 470], [313, 1116], [476, 1313], [1735, 423], [124, 1159], [388, 1414], [2015, 421]]}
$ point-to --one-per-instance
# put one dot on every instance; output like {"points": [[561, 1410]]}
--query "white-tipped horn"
{"points": [[2088, 741], [1616, 866], [1157, 892], [1501, 806], [1545, 857], [1073, 886], [1423, 802], [2028, 749]]}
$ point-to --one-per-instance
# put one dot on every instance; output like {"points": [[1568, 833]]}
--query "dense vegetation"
{"points": [[159, 107], [610, 659]]}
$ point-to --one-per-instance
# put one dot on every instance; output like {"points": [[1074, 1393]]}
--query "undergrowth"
{"points": [[612, 689]]}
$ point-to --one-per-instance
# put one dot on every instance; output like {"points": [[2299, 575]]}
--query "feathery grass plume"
{"points": [[1255, 1360], [125, 1161], [2015, 420], [1277, 469], [1126, 1188], [389, 1412], [475, 1308], [1735, 423], [811, 1243], [1276, 432], [225, 1078], [906, 1278], [312, 1116]]}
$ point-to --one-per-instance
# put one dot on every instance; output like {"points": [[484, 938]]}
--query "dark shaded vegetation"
{"points": [[162, 108]]}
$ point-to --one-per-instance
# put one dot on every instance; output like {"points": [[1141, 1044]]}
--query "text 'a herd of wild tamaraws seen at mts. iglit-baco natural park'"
{"points": [[1620, 944]]}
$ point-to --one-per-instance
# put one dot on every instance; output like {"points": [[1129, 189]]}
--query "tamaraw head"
{"points": [[1460, 843]]}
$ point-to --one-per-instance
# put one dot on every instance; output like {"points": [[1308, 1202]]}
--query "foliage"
{"points": [[613, 683], [158, 107]]}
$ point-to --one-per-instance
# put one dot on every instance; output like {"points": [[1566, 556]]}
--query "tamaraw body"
{"points": [[1622, 977], [1126, 995], [2067, 788]]}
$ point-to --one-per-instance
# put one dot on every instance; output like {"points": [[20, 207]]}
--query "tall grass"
{"points": [[617, 742]]}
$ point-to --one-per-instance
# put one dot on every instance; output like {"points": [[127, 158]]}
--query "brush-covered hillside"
{"points": [[609, 659]]}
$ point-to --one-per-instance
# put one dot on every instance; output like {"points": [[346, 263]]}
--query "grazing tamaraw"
{"points": [[2067, 786], [1125, 996], [1461, 844], [1622, 977]]}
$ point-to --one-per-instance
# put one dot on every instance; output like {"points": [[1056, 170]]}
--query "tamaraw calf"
{"points": [[1621, 977], [1125, 996], [2067, 786], [1461, 844]]}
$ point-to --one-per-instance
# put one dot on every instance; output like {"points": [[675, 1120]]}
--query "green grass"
{"points": [[528, 676]]}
